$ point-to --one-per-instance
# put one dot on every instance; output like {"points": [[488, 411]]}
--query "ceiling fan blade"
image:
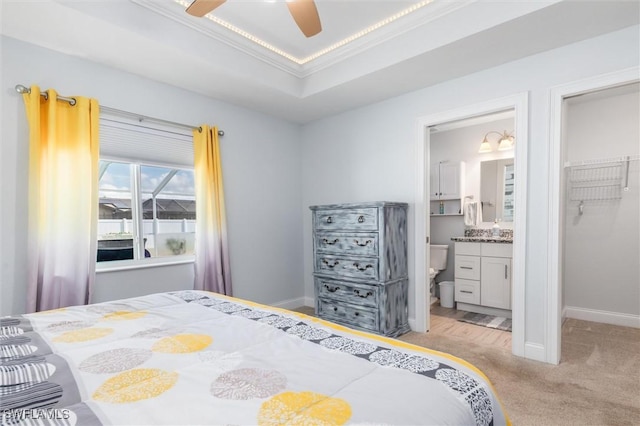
{"points": [[305, 14], [200, 8]]}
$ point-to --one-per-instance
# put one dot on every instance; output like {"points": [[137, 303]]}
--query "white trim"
{"points": [[518, 102], [310, 301], [534, 351], [553, 329], [125, 265], [412, 324], [606, 317], [290, 303]]}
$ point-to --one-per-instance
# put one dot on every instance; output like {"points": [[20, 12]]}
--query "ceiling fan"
{"points": [[304, 12]]}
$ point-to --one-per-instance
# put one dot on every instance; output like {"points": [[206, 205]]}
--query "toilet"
{"points": [[437, 264]]}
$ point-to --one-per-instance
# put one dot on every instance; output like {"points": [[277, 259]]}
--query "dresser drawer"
{"points": [[467, 291], [346, 266], [361, 244], [348, 314], [467, 267], [356, 294], [356, 219]]}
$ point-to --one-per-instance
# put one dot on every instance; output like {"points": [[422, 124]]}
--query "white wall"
{"points": [[462, 144], [261, 166], [602, 246], [368, 154]]}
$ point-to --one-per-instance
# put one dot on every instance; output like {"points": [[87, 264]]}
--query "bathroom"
{"points": [[470, 154]]}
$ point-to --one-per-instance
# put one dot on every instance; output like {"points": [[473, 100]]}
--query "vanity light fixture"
{"points": [[505, 142]]}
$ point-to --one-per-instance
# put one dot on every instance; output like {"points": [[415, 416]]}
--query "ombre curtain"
{"points": [[63, 199], [212, 267]]}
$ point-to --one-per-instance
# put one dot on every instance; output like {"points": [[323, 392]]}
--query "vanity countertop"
{"points": [[483, 239]]}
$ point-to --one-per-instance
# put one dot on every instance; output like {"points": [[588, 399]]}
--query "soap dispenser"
{"points": [[495, 233]]}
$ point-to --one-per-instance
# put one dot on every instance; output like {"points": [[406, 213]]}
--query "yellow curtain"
{"points": [[63, 199], [212, 267]]}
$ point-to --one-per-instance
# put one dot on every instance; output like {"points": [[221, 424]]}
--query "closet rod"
{"points": [[23, 89]]}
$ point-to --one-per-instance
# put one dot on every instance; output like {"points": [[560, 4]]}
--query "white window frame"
{"points": [[134, 152]]}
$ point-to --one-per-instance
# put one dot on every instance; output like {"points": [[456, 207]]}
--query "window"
{"points": [[147, 206]]}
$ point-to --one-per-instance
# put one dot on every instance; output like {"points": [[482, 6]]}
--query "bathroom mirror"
{"points": [[496, 190]]}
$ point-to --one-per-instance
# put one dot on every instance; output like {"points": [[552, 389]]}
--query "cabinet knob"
{"points": [[362, 294], [360, 219], [357, 265], [330, 265], [329, 219]]}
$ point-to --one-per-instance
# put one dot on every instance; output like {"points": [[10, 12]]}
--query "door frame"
{"points": [[520, 104], [553, 332]]}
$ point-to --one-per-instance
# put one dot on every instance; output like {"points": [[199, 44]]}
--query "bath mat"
{"points": [[491, 321]]}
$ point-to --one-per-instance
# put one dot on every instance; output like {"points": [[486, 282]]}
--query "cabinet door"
{"points": [[495, 282], [434, 182], [449, 181]]}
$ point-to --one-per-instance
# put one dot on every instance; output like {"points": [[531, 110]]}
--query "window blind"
{"points": [[145, 143]]}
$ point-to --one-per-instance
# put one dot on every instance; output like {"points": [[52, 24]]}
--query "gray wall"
{"points": [[261, 166], [368, 153], [602, 246]]}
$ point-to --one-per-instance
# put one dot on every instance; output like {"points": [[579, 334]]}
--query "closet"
{"points": [[601, 239]]}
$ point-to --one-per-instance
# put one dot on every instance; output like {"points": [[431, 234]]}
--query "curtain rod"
{"points": [[23, 89]]}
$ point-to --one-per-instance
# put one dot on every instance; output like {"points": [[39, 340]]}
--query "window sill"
{"points": [[125, 265]]}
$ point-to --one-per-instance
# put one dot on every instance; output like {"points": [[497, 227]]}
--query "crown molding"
{"points": [[421, 16]]}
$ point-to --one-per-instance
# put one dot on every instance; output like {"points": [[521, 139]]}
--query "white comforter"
{"points": [[199, 358]]}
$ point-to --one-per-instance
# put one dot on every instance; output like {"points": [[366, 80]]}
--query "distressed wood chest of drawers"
{"points": [[360, 265]]}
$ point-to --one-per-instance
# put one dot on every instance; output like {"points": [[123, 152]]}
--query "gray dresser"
{"points": [[360, 265]]}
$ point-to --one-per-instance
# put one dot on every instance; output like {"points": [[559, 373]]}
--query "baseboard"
{"points": [[310, 302], [535, 351], [412, 323], [291, 303], [606, 317]]}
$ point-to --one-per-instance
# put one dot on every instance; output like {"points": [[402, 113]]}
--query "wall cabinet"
{"points": [[483, 277], [447, 180], [447, 187]]}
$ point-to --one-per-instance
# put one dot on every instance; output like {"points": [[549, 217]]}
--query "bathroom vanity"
{"points": [[483, 275]]}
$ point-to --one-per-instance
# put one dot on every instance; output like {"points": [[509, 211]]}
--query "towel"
{"points": [[472, 213]]}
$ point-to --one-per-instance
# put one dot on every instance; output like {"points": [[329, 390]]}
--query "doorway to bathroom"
{"points": [[595, 246], [471, 199], [449, 147]]}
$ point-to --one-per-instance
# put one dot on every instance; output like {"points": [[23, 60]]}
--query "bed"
{"points": [[194, 357]]}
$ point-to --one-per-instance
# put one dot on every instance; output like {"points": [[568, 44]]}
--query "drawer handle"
{"points": [[466, 291], [359, 294], [357, 314], [331, 289], [335, 309], [366, 243], [329, 219], [324, 240], [360, 219], [357, 265], [466, 267], [330, 265]]}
